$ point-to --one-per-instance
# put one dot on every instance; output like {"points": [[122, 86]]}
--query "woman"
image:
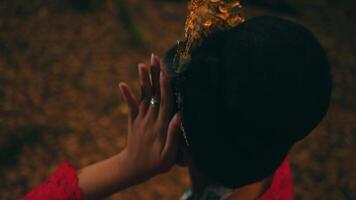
{"points": [[248, 95]]}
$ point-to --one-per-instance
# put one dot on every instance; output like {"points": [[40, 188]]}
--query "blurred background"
{"points": [[61, 61]]}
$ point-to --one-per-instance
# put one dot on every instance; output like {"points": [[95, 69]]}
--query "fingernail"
{"points": [[141, 66], [152, 59], [178, 118], [140, 69], [156, 58]]}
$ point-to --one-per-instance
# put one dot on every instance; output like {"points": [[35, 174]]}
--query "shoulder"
{"points": [[282, 186]]}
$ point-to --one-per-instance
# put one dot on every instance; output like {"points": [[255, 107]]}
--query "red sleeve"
{"points": [[282, 187], [61, 185]]}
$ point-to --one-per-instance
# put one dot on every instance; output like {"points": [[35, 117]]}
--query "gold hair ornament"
{"points": [[204, 18]]}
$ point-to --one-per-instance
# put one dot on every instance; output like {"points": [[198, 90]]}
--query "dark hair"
{"points": [[249, 94]]}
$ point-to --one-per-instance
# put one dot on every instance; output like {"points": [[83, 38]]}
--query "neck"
{"points": [[248, 192]]}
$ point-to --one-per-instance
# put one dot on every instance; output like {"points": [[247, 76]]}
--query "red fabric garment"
{"points": [[281, 187], [61, 185]]}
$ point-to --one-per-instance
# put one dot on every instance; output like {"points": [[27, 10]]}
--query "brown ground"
{"points": [[59, 69]]}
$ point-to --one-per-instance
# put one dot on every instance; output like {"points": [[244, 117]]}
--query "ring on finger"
{"points": [[154, 102]]}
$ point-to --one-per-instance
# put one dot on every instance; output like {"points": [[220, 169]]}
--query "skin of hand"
{"points": [[152, 142]]}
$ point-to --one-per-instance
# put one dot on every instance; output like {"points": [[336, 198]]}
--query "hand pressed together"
{"points": [[152, 142], [152, 131]]}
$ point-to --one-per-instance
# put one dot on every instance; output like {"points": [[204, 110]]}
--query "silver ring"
{"points": [[154, 102]]}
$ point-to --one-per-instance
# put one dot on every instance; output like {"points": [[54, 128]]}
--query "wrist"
{"points": [[106, 177], [129, 169]]}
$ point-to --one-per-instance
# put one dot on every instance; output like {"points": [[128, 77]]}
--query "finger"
{"points": [[130, 99], [144, 77], [171, 143], [155, 69], [166, 98], [146, 89]]}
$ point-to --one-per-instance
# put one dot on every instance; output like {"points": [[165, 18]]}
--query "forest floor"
{"points": [[60, 64]]}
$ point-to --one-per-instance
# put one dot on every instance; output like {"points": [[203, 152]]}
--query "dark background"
{"points": [[61, 61]]}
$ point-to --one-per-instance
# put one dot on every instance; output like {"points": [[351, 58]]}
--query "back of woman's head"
{"points": [[249, 94]]}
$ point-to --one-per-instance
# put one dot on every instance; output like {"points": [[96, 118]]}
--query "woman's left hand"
{"points": [[152, 138], [152, 133]]}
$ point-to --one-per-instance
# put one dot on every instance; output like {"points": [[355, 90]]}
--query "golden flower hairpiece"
{"points": [[204, 18]]}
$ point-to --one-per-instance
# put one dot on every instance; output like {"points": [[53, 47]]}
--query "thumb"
{"points": [[171, 144]]}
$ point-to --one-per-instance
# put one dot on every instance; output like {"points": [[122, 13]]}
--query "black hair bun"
{"points": [[249, 94]]}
